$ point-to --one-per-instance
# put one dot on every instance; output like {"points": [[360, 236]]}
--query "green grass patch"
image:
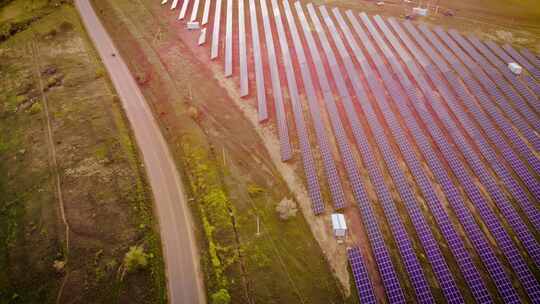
{"points": [[216, 212]]}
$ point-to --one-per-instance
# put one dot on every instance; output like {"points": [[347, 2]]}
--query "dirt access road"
{"points": [[181, 257]]}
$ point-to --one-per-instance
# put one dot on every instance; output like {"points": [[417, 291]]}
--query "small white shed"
{"points": [[420, 11], [515, 68], [193, 25], [339, 225]]}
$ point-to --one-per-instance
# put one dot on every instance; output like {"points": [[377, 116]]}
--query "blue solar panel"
{"points": [[259, 74], [283, 132], [384, 263], [364, 287], [334, 182], [404, 244], [242, 52], [406, 192], [488, 216]]}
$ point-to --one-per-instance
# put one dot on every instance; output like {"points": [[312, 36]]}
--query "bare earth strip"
{"points": [[181, 258]]}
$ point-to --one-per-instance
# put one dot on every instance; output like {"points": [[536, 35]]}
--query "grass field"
{"points": [[50, 74]]}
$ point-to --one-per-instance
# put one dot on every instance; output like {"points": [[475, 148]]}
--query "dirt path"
{"points": [[185, 283]]}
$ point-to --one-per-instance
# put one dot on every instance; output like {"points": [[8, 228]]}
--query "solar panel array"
{"points": [[485, 149], [503, 59], [489, 217], [520, 168], [382, 256], [491, 107], [361, 277], [447, 137], [524, 62], [329, 165], [431, 247], [457, 246], [283, 129], [215, 32], [259, 74], [474, 232], [228, 39], [531, 57], [242, 49]]}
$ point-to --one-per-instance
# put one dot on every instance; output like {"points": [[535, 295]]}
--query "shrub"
{"points": [[35, 108], [286, 209], [135, 258], [221, 297]]}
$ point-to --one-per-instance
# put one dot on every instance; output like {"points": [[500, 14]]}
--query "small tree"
{"points": [[221, 297], [286, 209]]}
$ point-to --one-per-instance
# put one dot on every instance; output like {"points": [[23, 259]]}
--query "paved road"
{"points": [[182, 268]]}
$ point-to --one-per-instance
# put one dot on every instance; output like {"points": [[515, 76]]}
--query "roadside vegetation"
{"points": [[91, 238], [248, 253]]}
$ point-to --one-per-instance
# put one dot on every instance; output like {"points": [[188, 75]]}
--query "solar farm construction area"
{"points": [[423, 137]]}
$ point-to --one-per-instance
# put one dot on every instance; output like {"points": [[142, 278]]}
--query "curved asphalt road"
{"points": [[182, 268]]}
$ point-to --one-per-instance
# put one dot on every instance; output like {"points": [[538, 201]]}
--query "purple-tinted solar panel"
{"points": [[228, 39], [309, 164], [364, 287], [530, 56], [259, 74], [474, 161], [521, 106], [514, 161], [522, 61], [183, 10], [215, 33], [456, 245], [505, 126], [435, 257], [408, 253], [382, 256], [195, 10], [334, 181], [206, 12], [283, 130], [482, 246], [488, 216], [242, 52], [174, 4], [504, 60]]}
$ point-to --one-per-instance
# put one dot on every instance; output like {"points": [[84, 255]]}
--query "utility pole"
{"points": [[258, 227]]}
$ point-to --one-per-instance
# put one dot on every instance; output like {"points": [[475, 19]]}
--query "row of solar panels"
{"points": [[438, 263]]}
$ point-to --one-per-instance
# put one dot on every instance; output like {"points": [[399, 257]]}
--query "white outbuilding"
{"points": [[420, 11], [193, 25], [339, 225], [515, 68]]}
